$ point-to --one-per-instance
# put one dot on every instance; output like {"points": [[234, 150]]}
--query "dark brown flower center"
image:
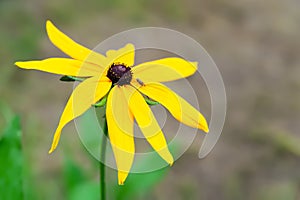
{"points": [[119, 74]]}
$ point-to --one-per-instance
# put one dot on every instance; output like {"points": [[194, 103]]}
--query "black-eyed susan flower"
{"points": [[125, 85]]}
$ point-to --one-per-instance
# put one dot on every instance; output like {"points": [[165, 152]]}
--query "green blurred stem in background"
{"points": [[102, 161]]}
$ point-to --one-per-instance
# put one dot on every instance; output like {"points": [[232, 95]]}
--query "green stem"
{"points": [[102, 162]]}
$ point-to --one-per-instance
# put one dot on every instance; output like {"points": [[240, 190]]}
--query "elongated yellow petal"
{"points": [[85, 94], [120, 129], [149, 126], [167, 69], [124, 55], [71, 48], [178, 107], [62, 66]]}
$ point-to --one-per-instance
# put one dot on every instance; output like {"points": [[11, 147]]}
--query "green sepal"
{"points": [[70, 78], [101, 103], [151, 102]]}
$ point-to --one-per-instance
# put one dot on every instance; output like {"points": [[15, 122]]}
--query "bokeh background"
{"points": [[256, 46]]}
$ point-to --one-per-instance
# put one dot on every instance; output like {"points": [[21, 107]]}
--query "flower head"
{"points": [[114, 75]]}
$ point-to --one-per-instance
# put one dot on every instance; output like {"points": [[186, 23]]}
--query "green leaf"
{"points": [[70, 79], [11, 159], [151, 102], [101, 103]]}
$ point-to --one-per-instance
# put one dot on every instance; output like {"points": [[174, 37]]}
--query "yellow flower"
{"points": [[126, 86]]}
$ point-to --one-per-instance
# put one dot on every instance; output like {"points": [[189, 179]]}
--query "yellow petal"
{"points": [[149, 126], [62, 66], [85, 94], [167, 69], [124, 55], [178, 107], [71, 48], [120, 130], [110, 53]]}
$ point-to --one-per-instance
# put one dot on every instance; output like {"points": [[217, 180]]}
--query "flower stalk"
{"points": [[102, 161]]}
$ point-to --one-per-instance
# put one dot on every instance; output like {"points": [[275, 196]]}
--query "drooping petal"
{"points": [[84, 95], [120, 130], [62, 66], [167, 69], [178, 107], [124, 55], [71, 48], [149, 126]]}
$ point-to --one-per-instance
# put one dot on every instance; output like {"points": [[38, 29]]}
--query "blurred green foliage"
{"points": [[11, 160], [281, 142], [80, 186], [77, 182], [278, 191]]}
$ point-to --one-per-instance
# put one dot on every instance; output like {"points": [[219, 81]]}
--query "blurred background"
{"points": [[256, 46]]}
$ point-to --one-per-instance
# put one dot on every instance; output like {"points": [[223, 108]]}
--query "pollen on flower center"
{"points": [[119, 74]]}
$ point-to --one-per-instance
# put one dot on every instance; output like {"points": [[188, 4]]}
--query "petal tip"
{"points": [[51, 30], [130, 45], [202, 125], [121, 182], [49, 26], [18, 63], [24, 65], [195, 65], [50, 151], [169, 158], [122, 177], [49, 23], [206, 130]]}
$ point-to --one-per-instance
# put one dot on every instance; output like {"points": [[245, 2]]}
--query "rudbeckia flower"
{"points": [[125, 85]]}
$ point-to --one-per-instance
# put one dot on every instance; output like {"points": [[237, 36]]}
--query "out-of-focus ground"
{"points": [[256, 46]]}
